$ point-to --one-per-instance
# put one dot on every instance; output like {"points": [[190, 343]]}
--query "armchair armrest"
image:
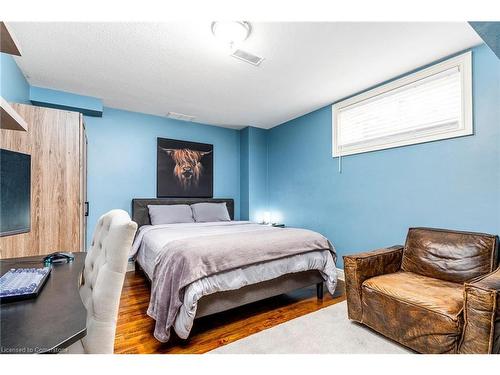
{"points": [[360, 267], [481, 332]]}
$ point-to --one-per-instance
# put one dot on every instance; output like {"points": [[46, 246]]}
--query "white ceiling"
{"points": [[179, 66]]}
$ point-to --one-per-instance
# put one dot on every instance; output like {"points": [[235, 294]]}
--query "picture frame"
{"points": [[184, 169]]}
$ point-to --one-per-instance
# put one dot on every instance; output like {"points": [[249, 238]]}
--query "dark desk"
{"points": [[52, 321]]}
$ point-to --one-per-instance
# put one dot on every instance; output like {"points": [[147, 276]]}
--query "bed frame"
{"points": [[222, 301]]}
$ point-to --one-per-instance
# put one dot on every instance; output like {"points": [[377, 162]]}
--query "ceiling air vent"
{"points": [[247, 57], [180, 116]]}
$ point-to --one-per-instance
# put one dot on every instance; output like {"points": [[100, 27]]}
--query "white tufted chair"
{"points": [[103, 275]]}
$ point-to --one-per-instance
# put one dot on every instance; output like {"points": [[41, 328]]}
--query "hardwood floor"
{"points": [[134, 333]]}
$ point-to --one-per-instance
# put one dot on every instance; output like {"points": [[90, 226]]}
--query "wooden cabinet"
{"points": [[56, 141]]}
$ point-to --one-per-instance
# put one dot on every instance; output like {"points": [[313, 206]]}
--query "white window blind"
{"points": [[428, 105]]}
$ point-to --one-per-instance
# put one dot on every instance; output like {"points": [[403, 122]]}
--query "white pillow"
{"points": [[170, 214], [206, 212]]}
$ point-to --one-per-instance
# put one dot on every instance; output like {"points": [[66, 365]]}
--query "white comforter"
{"points": [[151, 240]]}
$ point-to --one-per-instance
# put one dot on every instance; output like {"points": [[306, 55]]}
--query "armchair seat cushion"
{"points": [[437, 296], [420, 312]]}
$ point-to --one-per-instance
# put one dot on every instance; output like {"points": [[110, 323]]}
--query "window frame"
{"points": [[464, 64]]}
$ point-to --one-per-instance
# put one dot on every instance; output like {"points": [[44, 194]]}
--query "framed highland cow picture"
{"points": [[184, 169]]}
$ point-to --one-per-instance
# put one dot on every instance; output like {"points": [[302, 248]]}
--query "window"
{"points": [[431, 104]]}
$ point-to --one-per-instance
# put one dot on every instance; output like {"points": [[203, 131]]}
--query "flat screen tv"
{"points": [[15, 192]]}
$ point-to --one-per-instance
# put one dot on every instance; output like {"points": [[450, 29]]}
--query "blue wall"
{"points": [[451, 184], [122, 146], [13, 85], [253, 171], [122, 158], [244, 174], [258, 182]]}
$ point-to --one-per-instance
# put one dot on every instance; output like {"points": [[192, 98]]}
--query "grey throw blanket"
{"points": [[185, 261]]}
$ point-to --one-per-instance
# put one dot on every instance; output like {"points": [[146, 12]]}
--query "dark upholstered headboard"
{"points": [[140, 213]]}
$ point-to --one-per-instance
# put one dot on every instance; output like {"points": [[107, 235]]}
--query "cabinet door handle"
{"points": [[86, 211]]}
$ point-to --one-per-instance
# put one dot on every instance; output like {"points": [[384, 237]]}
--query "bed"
{"points": [[218, 291]]}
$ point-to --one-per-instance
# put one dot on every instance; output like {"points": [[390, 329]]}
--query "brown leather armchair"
{"points": [[440, 293]]}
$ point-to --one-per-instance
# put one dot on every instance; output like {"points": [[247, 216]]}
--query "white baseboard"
{"points": [[130, 266], [340, 274]]}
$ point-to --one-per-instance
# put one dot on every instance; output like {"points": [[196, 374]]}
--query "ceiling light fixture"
{"points": [[231, 32]]}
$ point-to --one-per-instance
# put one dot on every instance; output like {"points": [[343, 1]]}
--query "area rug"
{"points": [[325, 331]]}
